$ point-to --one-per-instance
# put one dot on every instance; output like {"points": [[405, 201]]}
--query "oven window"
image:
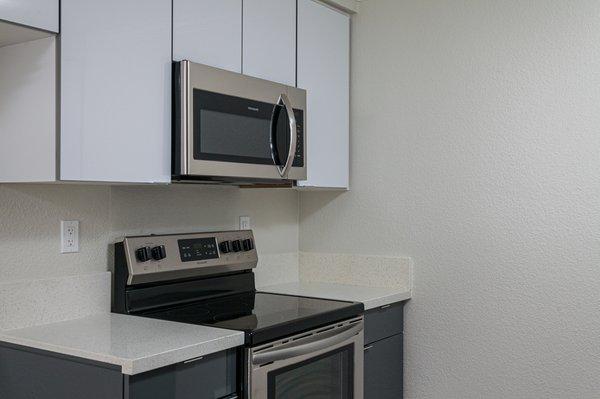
{"points": [[329, 376]]}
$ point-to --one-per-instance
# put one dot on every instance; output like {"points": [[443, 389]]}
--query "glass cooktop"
{"points": [[262, 316]]}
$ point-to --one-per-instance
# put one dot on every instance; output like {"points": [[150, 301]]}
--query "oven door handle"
{"points": [[290, 350], [287, 104]]}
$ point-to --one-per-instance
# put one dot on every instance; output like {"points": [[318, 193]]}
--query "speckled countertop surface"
{"points": [[136, 344], [371, 297]]}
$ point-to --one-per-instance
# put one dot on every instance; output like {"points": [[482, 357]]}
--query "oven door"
{"points": [[236, 126], [323, 364]]}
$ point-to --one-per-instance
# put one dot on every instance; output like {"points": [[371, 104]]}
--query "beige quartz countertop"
{"points": [[136, 344]]}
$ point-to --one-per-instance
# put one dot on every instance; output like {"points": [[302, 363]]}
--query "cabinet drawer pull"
{"points": [[366, 348], [193, 360], [385, 306]]}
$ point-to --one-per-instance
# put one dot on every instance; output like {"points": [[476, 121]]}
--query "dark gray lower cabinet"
{"points": [[384, 352], [384, 368], [384, 322], [212, 377], [27, 373], [33, 374]]}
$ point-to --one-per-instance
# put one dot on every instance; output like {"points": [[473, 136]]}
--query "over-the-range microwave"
{"points": [[232, 128]]}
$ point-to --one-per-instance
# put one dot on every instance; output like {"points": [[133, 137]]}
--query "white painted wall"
{"points": [[475, 150]]}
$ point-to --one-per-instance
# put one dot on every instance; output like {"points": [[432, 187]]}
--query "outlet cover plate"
{"points": [[69, 236], [245, 223]]}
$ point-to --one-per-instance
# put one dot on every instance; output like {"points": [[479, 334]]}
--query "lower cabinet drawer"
{"points": [[384, 322], [384, 368], [210, 377]]}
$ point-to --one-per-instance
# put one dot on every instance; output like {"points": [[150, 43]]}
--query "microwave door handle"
{"points": [[285, 101], [292, 350], [274, 150]]}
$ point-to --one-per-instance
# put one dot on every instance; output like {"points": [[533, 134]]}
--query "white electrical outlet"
{"points": [[245, 223], [69, 236]]}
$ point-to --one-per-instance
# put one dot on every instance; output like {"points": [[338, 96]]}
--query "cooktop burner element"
{"points": [[205, 279]]}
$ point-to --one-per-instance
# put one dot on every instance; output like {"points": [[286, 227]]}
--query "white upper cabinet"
{"points": [[115, 90], [208, 32], [270, 40], [41, 14], [324, 71], [28, 111]]}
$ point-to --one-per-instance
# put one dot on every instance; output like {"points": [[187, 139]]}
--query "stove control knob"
{"points": [[225, 247], [237, 245], [248, 244], [142, 255], [159, 252]]}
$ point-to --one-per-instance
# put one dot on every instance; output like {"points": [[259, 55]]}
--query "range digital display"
{"points": [[195, 249]]}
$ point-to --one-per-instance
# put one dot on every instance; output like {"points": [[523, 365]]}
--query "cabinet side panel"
{"points": [[28, 111]]}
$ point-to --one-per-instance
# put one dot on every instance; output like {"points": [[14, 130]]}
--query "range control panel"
{"points": [[164, 257], [195, 249]]}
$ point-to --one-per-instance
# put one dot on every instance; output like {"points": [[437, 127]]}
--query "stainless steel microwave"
{"points": [[233, 128]]}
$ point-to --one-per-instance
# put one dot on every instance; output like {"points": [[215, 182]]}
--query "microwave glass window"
{"points": [[235, 135], [235, 129], [328, 376]]}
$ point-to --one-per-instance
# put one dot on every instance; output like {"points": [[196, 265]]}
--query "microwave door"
{"points": [[234, 136]]}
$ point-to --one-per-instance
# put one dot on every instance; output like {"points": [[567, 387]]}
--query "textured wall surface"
{"points": [[30, 221], [31, 302], [30, 237], [476, 151], [30, 218]]}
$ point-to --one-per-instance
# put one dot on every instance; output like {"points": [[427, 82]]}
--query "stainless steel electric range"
{"points": [[295, 347]]}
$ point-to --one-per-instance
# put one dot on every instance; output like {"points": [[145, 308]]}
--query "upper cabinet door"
{"points": [[115, 90], [208, 32], [270, 40], [324, 71], [41, 14]]}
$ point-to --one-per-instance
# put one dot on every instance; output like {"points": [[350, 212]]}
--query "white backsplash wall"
{"points": [[31, 302], [184, 208], [475, 150], [30, 218], [356, 269]]}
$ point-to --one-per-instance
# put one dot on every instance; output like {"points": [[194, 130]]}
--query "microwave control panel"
{"points": [[299, 156]]}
